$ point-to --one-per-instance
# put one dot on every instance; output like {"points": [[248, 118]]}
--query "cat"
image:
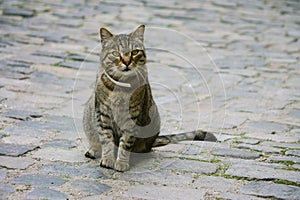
{"points": [[121, 113]]}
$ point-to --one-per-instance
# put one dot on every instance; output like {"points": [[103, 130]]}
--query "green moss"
{"points": [[171, 26], [290, 169], [5, 135], [285, 182], [215, 160], [65, 176], [195, 159], [19, 190], [285, 162], [57, 64], [283, 151], [196, 176]]}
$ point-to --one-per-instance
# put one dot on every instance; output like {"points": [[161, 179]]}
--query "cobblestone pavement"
{"points": [[251, 98]]}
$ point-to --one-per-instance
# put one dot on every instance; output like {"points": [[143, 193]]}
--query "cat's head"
{"points": [[123, 52]]}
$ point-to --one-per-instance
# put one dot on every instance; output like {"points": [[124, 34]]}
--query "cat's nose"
{"points": [[126, 60]]}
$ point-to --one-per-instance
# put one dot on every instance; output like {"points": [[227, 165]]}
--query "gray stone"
{"points": [[19, 114], [15, 162], [90, 187], [48, 36], [39, 180], [22, 70], [5, 190], [72, 15], [215, 183], [271, 190], [224, 4], [71, 64], [60, 143], [262, 172], [249, 141], [73, 155], [295, 113], [22, 139], [191, 166], [281, 145], [62, 169], [192, 150], [157, 177], [296, 166], [233, 196], [18, 12], [236, 153], [51, 54], [163, 192], [260, 148], [207, 157], [55, 119], [46, 193], [3, 173], [267, 126], [293, 153], [42, 77], [25, 131], [283, 158], [224, 137], [53, 126], [72, 23], [15, 150], [18, 63]]}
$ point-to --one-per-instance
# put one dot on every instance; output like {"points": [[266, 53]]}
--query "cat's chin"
{"points": [[126, 70]]}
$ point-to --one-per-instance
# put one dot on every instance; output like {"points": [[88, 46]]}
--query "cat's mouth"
{"points": [[126, 69]]}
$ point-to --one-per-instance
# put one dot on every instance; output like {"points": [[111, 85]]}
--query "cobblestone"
{"points": [[262, 172], [191, 166], [230, 67], [45, 193], [15, 150], [162, 192], [236, 153], [267, 189], [15, 163], [39, 180]]}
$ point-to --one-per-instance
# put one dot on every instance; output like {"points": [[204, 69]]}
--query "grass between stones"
{"points": [[285, 182]]}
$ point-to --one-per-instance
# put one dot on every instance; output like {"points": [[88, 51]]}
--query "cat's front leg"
{"points": [[108, 158], [126, 144]]}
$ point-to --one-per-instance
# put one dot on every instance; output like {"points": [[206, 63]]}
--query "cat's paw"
{"points": [[90, 154], [107, 162], [121, 166]]}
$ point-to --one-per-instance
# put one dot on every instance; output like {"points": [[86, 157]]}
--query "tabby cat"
{"points": [[121, 113]]}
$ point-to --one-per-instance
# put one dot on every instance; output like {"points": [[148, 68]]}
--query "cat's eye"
{"points": [[116, 54], [134, 52]]}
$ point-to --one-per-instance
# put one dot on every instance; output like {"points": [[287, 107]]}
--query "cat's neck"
{"points": [[118, 83]]}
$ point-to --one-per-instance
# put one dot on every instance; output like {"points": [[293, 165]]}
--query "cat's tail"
{"points": [[193, 135]]}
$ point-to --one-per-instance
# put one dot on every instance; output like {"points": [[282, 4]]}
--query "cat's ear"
{"points": [[105, 35], [139, 32]]}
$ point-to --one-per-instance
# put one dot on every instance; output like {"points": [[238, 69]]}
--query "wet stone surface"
{"points": [[230, 67]]}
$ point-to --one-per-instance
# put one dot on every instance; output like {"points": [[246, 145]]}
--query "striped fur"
{"points": [[121, 113]]}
